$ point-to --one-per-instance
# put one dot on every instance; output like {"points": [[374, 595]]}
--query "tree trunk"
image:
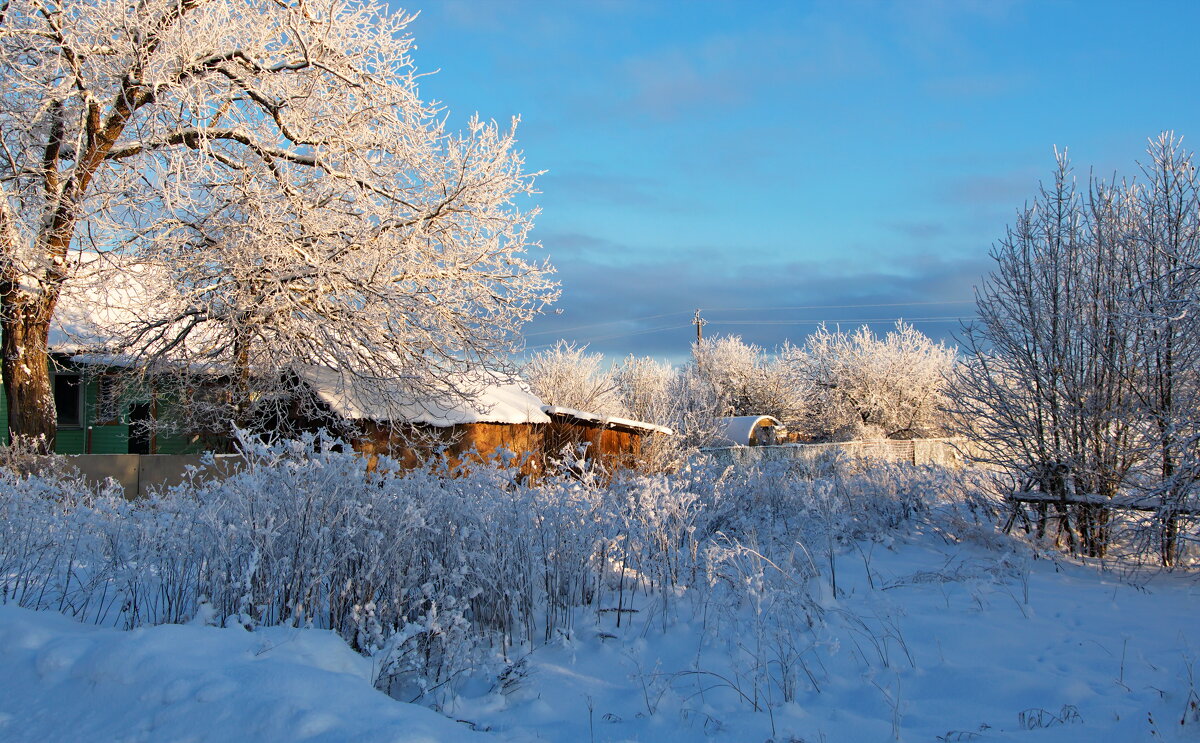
{"points": [[1170, 538], [25, 329], [241, 377]]}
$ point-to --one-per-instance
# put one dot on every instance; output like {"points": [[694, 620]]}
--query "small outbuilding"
{"points": [[502, 423], [749, 430], [614, 443]]}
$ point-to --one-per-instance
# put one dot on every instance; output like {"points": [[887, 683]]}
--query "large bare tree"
{"points": [[272, 163], [1083, 373]]}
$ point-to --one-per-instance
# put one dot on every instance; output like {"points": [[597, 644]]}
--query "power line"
{"points": [[644, 331], [834, 306], [745, 309], [948, 318], [597, 339], [609, 322]]}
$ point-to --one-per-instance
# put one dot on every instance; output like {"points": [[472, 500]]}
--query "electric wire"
{"points": [[777, 321]]}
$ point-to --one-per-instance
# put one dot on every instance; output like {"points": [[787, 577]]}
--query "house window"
{"points": [[68, 400]]}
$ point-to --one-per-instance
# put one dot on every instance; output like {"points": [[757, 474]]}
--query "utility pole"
{"points": [[699, 322]]}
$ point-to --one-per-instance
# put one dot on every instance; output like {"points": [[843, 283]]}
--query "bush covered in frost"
{"points": [[439, 577]]}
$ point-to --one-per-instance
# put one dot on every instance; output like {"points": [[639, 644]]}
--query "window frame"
{"points": [[80, 400]]}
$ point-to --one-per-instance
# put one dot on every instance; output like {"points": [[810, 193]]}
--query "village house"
{"points": [[100, 412]]}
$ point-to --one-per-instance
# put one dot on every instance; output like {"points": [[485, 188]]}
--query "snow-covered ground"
{"points": [[64, 681], [953, 643], [926, 639]]}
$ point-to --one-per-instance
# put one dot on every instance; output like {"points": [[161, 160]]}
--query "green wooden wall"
{"points": [[108, 437]]}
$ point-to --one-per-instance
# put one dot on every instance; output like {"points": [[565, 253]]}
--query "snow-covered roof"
{"points": [[607, 420], [105, 293], [737, 430], [496, 402]]}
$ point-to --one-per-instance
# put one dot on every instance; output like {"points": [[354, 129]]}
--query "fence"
{"points": [[947, 452], [140, 473]]}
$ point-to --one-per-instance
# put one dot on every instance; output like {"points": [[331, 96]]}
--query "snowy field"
{"points": [[954, 642], [938, 630]]}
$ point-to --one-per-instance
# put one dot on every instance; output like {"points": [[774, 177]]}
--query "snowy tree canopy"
{"points": [[866, 386], [275, 165], [568, 376], [746, 380]]}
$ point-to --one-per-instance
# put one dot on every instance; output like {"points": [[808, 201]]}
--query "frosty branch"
{"points": [[264, 162]]}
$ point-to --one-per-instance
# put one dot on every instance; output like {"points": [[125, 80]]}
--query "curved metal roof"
{"points": [[736, 431]]}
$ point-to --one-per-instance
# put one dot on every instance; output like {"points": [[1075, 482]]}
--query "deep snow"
{"points": [[64, 681], [927, 639]]}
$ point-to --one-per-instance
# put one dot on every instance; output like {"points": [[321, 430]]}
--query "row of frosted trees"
{"points": [[840, 386], [1078, 383]]}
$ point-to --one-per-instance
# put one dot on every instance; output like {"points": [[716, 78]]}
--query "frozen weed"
{"points": [[1036, 718], [439, 578]]}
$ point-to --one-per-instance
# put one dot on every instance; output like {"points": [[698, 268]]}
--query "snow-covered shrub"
{"points": [[24, 455], [644, 385], [747, 382], [56, 537], [567, 376], [652, 391], [440, 578], [766, 611]]}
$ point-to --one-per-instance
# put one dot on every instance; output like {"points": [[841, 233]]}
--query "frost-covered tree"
{"points": [[746, 381], [274, 162], [1047, 390], [568, 376], [656, 392], [1165, 299], [645, 386], [865, 386], [701, 403], [1083, 365], [732, 367]]}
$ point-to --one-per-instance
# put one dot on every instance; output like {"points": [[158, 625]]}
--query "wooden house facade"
{"points": [[97, 414]]}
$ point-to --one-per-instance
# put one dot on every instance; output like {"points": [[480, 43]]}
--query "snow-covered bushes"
{"points": [[436, 577], [839, 386], [747, 381], [568, 376]]}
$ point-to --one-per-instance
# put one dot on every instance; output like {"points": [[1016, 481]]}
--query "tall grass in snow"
{"points": [[436, 577]]}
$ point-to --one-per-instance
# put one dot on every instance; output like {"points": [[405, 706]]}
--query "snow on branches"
{"points": [[1082, 372], [276, 168], [567, 376], [865, 386]]}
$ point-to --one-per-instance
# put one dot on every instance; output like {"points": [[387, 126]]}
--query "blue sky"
{"points": [[748, 158]]}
